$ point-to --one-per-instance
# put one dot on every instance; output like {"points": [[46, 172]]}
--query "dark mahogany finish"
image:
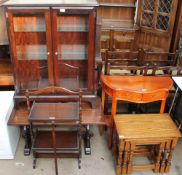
{"points": [[55, 115], [53, 46]]}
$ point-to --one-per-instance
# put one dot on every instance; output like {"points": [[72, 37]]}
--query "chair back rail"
{"points": [[159, 58]]}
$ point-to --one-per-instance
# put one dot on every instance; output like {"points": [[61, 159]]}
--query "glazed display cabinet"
{"points": [[53, 45]]}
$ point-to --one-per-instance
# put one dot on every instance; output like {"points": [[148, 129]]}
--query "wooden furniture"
{"points": [[117, 22], [53, 114], [127, 58], [156, 20], [19, 116], [157, 130], [137, 89], [52, 43], [176, 37], [118, 69], [164, 71], [117, 10], [116, 14], [151, 25], [154, 58], [117, 39]]}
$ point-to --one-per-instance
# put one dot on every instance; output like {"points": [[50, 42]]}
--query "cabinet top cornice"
{"points": [[61, 3]]}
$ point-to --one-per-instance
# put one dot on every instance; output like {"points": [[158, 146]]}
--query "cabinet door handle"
{"points": [[56, 53], [48, 53]]}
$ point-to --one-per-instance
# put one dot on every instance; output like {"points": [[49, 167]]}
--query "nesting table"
{"points": [[140, 129]]}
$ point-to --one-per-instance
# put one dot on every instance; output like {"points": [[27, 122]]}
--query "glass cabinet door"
{"points": [[71, 48], [31, 48]]}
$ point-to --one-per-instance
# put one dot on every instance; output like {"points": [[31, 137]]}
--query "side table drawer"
{"points": [[129, 96], [154, 96]]}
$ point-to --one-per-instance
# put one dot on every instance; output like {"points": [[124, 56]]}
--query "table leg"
{"points": [[120, 157], [103, 98], [164, 157], [102, 103], [170, 152], [28, 142], [158, 157], [54, 146], [124, 164], [111, 123], [130, 159]]}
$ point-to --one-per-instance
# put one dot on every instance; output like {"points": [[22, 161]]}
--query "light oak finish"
{"points": [[137, 89], [145, 129]]}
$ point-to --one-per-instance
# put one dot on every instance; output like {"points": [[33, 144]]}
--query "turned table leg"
{"points": [[170, 152], [124, 164], [158, 157]]}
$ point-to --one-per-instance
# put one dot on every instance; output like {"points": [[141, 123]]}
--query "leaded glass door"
{"points": [[156, 19]]}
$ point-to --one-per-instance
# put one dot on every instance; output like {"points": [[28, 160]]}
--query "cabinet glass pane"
{"points": [[148, 5], [147, 20], [72, 24], [31, 52], [72, 31], [29, 23], [72, 52], [162, 22], [31, 49], [165, 6]]}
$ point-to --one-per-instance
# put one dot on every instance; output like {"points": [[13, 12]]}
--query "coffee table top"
{"points": [[47, 112], [144, 126]]}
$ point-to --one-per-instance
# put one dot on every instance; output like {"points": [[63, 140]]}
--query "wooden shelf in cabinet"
{"points": [[73, 29], [30, 31]]}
